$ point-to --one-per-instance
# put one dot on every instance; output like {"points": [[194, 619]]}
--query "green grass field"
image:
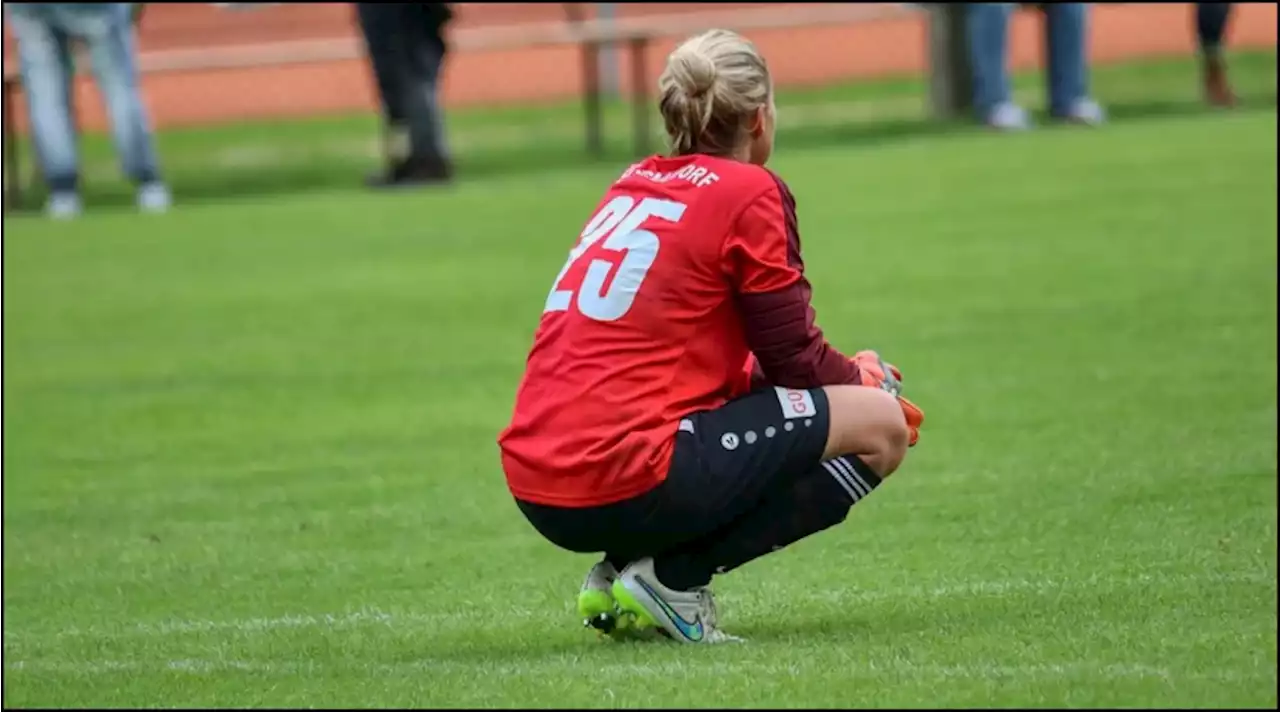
{"points": [[267, 158], [249, 450]]}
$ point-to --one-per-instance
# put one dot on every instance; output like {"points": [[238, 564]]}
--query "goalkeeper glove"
{"points": [[875, 372]]}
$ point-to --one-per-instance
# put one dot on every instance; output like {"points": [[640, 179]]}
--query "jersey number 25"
{"points": [[619, 224]]}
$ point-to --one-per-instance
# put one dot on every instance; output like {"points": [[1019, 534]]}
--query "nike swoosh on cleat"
{"points": [[691, 630]]}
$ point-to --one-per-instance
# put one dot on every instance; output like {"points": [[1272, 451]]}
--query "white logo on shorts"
{"points": [[729, 441], [795, 404]]}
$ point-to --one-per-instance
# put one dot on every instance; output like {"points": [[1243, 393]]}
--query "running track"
{"points": [[798, 56]]}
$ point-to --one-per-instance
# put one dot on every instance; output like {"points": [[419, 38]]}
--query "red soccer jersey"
{"points": [[643, 326]]}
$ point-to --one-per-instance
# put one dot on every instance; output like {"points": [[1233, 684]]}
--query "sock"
{"points": [[618, 562], [816, 501]]}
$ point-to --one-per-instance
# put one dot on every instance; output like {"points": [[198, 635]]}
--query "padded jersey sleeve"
{"points": [[762, 261]]}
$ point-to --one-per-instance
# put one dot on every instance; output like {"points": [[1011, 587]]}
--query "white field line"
{"points": [[660, 669], [485, 614]]}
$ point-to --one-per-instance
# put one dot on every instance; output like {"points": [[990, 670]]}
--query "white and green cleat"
{"points": [[598, 609], [683, 616]]}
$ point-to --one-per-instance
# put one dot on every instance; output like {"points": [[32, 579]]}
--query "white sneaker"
{"points": [[62, 206], [685, 616], [154, 198], [1008, 116], [1087, 112]]}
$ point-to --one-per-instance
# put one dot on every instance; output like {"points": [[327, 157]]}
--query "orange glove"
{"points": [[878, 373], [915, 418]]}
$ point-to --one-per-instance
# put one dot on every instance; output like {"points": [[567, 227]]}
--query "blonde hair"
{"points": [[712, 85]]}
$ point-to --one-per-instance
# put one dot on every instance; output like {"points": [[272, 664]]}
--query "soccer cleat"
{"points": [[683, 616], [596, 604], [595, 599]]}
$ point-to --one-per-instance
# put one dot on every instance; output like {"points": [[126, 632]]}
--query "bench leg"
{"points": [[950, 76], [12, 163], [640, 94], [591, 97]]}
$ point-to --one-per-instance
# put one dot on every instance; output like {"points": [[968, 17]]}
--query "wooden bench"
{"points": [[591, 35]]}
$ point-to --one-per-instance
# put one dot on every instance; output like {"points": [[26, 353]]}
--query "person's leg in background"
{"points": [[1211, 25], [425, 52], [406, 50], [44, 55], [379, 27], [1066, 38], [987, 25], [108, 34]]}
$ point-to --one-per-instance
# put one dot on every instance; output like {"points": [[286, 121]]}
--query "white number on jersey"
{"points": [[619, 223]]}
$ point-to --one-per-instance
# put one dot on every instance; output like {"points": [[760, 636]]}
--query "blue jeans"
{"points": [[45, 32], [988, 29]]}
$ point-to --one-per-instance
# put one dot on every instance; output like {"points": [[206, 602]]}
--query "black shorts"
{"points": [[725, 461]]}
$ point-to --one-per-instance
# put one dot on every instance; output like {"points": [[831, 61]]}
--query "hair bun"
{"points": [[699, 71]]}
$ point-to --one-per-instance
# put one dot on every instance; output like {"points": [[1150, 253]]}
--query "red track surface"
{"points": [[797, 56]]}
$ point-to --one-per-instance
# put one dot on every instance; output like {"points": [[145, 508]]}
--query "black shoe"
{"points": [[413, 172]]}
